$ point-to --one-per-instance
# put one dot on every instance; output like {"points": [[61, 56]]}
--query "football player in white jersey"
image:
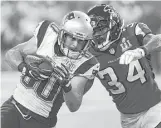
{"points": [[40, 93]]}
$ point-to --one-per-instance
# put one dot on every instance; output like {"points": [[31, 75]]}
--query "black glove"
{"points": [[22, 67]]}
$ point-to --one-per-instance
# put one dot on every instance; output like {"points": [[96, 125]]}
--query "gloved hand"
{"points": [[131, 55], [22, 67], [37, 67], [62, 74]]}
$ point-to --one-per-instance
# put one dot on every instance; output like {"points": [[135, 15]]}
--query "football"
{"points": [[39, 62], [45, 65]]}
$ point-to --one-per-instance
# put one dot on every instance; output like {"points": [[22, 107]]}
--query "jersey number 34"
{"points": [[131, 77]]}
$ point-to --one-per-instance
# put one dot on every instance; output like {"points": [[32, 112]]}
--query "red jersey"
{"points": [[132, 86]]}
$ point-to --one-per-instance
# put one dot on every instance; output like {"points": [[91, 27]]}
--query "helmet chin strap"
{"points": [[74, 54], [105, 45], [71, 54]]}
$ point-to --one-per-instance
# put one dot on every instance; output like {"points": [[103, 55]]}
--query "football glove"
{"points": [[131, 55], [38, 67], [62, 74], [22, 67]]}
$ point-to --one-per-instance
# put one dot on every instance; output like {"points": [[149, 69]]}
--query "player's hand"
{"points": [[22, 67], [131, 55], [37, 67], [62, 74]]}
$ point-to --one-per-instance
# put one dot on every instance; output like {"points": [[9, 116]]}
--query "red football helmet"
{"points": [[76, 25], [107, 26]]}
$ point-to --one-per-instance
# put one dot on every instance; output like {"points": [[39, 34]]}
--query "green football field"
{"points": [[97, 110]]}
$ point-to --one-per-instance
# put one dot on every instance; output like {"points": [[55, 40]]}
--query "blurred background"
{"points": [[20, 18]]}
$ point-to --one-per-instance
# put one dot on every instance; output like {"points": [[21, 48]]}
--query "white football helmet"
{"points": [[76, 24]]}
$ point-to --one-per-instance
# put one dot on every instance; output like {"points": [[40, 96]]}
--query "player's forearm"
{"points": [[73, 100], [154, 44], [13, 58], [73, 94]]}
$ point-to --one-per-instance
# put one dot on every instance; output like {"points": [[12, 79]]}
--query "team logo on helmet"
{"points": [[76, 25], [69, 17]]}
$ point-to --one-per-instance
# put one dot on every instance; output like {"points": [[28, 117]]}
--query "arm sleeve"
{"points": [[141, 30]]}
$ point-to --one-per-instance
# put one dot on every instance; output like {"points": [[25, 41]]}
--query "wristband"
{"points": [[67, 88], [145, 50], [21, 66]]}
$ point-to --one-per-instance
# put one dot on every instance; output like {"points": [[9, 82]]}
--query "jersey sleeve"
{"points": [[46, 34], [43, 28], [141, 30], [89, 68], [40, 31]]}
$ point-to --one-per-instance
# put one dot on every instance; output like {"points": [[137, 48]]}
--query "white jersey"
{"points": [[45, 97]]}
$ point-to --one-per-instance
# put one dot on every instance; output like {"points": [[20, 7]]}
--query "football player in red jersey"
{"points": [[125, 68], [39, 96]]}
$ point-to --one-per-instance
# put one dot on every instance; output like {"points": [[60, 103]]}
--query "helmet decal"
{"points": [[69, 17]]}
